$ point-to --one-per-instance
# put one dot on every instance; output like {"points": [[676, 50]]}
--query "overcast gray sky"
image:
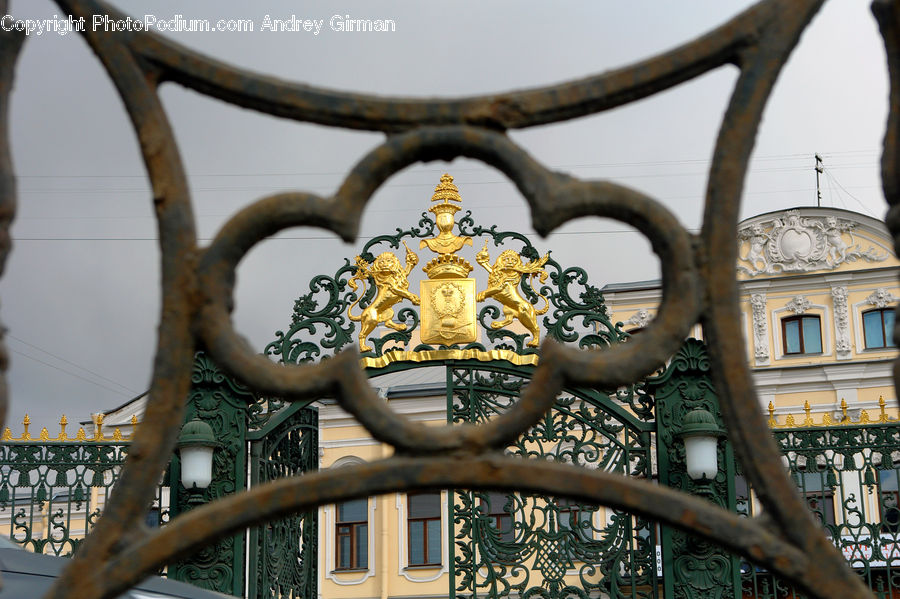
{"points": [[80, 296]]}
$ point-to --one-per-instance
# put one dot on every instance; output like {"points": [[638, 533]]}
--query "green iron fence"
{"points": [[848, 474], [53, 491]]}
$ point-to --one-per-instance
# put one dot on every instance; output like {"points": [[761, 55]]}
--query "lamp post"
{"points": [[195, 449], [700, 434]]}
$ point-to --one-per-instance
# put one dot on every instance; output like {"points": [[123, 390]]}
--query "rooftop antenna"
{"points": [[820, 168]]}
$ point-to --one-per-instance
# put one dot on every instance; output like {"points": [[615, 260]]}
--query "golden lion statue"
{"points": [[503, 280], [393, 286]]}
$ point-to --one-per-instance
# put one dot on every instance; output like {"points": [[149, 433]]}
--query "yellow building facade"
{"points": [[818, 287]]}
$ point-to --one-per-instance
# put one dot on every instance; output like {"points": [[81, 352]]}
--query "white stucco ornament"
{"points": [[881, 297], [798, 304], [794, 243], [639, 319]]}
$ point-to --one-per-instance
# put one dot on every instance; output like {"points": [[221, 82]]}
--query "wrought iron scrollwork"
{"points": [[545, 543], [320, 327], [697, 271]]}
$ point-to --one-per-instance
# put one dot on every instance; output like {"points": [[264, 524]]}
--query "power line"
{"points": [[24, 355], [69, 362], [838, 183], [307, 238], [770, 157]]}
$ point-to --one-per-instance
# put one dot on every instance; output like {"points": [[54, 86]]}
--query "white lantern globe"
{"points": [[196, 444], [701, 440]]}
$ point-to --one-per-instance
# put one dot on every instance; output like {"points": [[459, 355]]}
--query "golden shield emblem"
{"points": [[448, 311]]}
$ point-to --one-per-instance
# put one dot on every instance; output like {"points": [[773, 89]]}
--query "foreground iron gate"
{"points": [[698, 285]]}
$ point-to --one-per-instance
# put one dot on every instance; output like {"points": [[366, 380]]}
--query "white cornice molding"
{"points": [[830, 377], [416, 409], [885, 276], [342, 443]]}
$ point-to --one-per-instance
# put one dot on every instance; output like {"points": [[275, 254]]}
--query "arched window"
{"points": [[878, 326], [801, 335]]}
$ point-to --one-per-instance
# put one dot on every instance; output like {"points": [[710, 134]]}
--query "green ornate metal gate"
{"points": [[284, 553], [552, 547], [260, 439]]}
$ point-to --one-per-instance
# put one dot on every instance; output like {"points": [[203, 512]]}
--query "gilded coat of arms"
{"points": [[448, 298], [448, 313]]}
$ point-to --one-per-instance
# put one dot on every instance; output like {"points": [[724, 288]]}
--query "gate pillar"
{"points": [[223, 404], [692, 569]]}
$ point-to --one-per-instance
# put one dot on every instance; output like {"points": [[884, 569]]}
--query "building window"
{"points": [[878, 326], [802, 335], [352, 532], [576, 517], [742, 496], [819, 495], [499, 511], [424, 521], [889, 500]]}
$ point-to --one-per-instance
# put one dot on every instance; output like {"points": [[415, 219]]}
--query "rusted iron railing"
{"points": [[698, 283]]}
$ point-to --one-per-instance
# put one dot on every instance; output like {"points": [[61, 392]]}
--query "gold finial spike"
{"points": [[844, 418], [772, 422], [7, 434], [134, 420], [81, 435], [45, 434], [446, 190], [62, 429], [117, 435], [881, 404], [98, 432], [25, 422], [808, 421]]}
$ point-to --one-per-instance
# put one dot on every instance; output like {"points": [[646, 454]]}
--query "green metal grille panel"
{"points": [[284, 553], [548, 548], [847, 475], [51, 494]]}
